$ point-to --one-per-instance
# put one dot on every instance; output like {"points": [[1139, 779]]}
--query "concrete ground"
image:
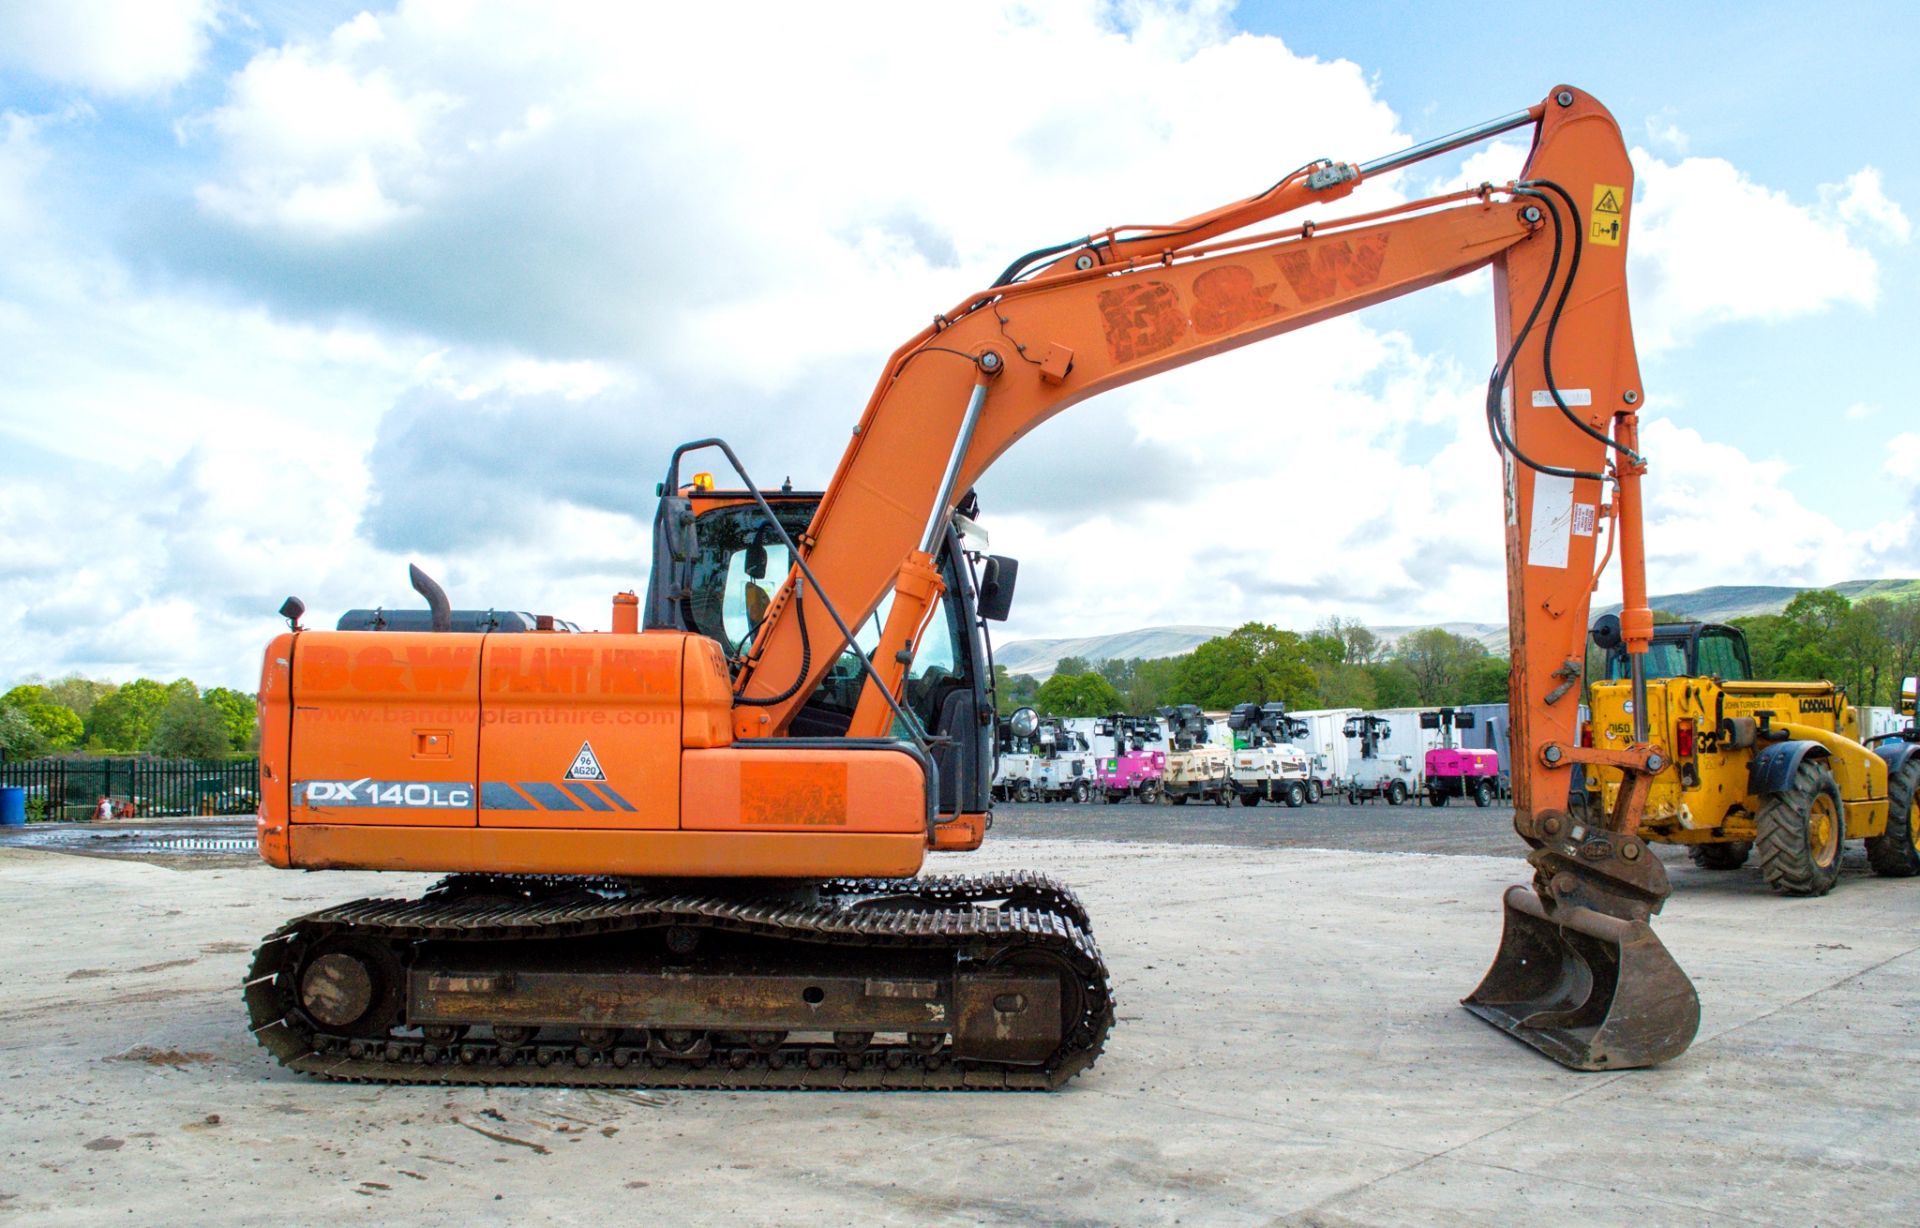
{"points": [[1289, 1050]]}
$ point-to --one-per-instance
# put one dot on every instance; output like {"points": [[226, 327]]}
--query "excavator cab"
{"points": [[728, 556]]}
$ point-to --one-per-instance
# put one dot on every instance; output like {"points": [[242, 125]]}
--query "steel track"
{"points": [[1035, 915]]}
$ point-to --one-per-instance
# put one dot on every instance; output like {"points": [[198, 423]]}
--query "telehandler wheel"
{"points": [[1896, 852], [1800, 833], [1396, 793], [1249, 799], [1296, 795], [1729, 856]]}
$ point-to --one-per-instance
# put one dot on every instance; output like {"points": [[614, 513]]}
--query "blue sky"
{"points": [[297, 293], [1794, 95]]}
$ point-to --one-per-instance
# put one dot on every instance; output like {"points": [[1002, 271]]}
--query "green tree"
{"points": [[1073, 665], [1394, 685], [237, 713], [1254, 663], [1344, 685], [1439, 661], [1076, 695], [1012, 691], [1358, 644], [18, 737], [1818, 611], [59, 728], [1485, 681], [1153, 681], [188, 728], [77, 694], [1770, 637], [125, 719]]}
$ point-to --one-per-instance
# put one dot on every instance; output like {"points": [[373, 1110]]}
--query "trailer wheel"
{"points": [[1800, 833], [1178, 799], [1082, 793], [1315, 791], [1249, 799], [1396, 793], [1436, 795], [1296, 795], [1482, 793], [1895, 853], [1022, 794], [1353, 797], [1223, 797], [1113, 799]]}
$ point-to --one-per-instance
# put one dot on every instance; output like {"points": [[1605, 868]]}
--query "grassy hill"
{"points": [[1717, 604]]}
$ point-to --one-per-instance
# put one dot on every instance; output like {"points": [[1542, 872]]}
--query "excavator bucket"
{"points": [[1590, 991]]}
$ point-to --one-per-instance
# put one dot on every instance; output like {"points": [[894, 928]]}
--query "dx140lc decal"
{"points": [[386, 794]]}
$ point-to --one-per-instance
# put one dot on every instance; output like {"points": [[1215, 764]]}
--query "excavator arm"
{"points": [[1580, 974]]}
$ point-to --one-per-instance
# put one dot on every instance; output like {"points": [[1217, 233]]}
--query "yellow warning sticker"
{"points": [[1608, 221]]}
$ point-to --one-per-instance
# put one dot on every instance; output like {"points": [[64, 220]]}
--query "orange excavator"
{"points": [[688, 851]]}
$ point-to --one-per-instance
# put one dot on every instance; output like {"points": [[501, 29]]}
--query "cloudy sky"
{"points": [[294, 292]]}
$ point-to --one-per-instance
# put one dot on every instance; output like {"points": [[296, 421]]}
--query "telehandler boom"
{"points": [[685, 854]]}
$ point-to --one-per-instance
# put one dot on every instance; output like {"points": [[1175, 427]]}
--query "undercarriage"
{"points": [[977, 981]]}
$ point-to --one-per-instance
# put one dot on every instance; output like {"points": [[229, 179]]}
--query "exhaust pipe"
{"points": [[436, 596]]}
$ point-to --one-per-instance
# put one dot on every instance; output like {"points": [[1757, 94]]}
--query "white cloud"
{"points": [[1710, 245], [117, 47], [1860, 200], [1860, 411], [453, 277]]}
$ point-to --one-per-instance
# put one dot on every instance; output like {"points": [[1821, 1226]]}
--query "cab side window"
{"points": [[1722, 656]]}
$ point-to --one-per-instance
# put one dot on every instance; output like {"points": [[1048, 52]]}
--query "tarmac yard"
{"points": [[1289, 1050]]}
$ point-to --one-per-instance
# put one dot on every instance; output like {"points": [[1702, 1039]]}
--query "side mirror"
{"points": [[1606, 632], [1463, 720], [1909, 695], [1429, 720], [757, 561], [996, 587], [1023, 722]]}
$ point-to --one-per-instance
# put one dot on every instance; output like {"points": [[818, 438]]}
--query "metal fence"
{"points": [[139, 788]]}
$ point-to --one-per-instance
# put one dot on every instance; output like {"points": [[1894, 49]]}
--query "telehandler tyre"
{"points": [[1896, 852], [1729, 856], [1800, 831]]}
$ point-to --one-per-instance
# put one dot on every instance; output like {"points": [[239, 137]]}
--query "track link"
{"points": [[1037, 917]]}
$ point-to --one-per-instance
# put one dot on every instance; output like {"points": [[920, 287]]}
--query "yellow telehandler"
{"points": [[1777, 767]]}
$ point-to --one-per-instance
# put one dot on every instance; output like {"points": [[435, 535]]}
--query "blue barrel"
{"points": [[13, 806]]}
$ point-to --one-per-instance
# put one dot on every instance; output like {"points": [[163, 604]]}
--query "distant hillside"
{"points": [[1718, 604], [1724, 601], [1038, 657]]}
